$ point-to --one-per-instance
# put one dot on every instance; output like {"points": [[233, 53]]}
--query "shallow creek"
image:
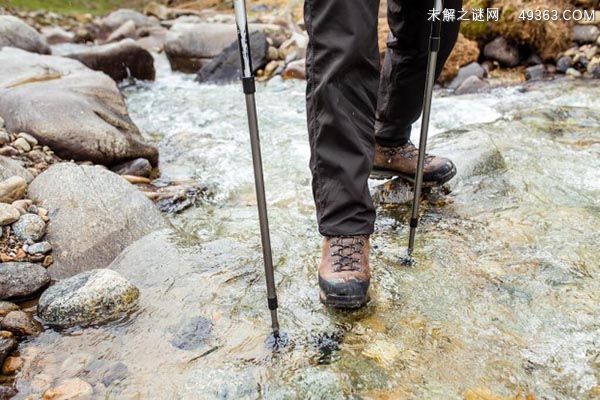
{"points": [[504, 298]]}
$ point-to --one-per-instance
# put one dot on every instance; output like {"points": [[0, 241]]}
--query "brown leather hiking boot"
{"points": [[401, 161], [344, 274]]}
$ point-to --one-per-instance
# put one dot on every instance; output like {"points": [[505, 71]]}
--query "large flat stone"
{"points": [[94, 214], [76, 111]]}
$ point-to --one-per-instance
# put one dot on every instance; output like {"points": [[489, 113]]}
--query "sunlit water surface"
{"points": [[504, 298]]}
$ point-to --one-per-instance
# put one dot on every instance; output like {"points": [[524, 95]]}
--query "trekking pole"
{"points": [[434, 47], [249, 90]]}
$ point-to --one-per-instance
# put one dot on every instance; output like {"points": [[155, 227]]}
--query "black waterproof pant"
{"points": [[350, 104]]}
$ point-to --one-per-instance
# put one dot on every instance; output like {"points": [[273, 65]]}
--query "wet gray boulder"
{"points": [[121, 60], [500, 50], [89, 298], [94, 215], [189, 46], [226, 67], [16, 33], [78, 112], [10, 168], [117, 18], [20, 280]]}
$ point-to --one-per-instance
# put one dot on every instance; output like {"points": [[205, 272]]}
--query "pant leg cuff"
{"points": [[392, 137]]}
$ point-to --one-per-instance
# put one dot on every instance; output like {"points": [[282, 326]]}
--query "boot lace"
{"points": [[407, 151], [346, 252]]}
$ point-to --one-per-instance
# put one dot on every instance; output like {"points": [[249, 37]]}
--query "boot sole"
{"points": [[343, 301], [385, 174]]}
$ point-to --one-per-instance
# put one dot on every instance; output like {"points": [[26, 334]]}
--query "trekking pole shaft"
{"points": [[262, 209], [434, 46], [249, 90]]}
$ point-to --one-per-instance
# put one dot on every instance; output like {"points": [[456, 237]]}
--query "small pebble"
{"points": [[573, 72], [41, 247], [6, 307], [24, 204], [8, 214], [22, 144], [30, 139], [21, 324], [12, 365], [47, 261], [30, 227]]}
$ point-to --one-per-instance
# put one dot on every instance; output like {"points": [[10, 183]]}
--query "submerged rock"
{"points": [[192, 334], [74, 388], [226, 67], [122, 60], [30, 228], [16, 33], [90, 298], [21, 280], [189, 46], [94, 215], [78, 112]]}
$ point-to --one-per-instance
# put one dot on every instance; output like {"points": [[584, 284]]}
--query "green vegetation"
{"points": [[72, 6]]}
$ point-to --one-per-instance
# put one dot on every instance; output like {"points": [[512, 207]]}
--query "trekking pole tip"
{"points": [[277, 340], [408, 259]]}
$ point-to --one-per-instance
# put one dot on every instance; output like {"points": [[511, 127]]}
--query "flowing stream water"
{"points": [[504, 299]]}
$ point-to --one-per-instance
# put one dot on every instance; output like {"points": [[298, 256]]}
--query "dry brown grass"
{"points": [[548, 38]]}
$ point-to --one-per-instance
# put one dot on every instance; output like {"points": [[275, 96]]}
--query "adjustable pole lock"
{"points": [[248, 85]]}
